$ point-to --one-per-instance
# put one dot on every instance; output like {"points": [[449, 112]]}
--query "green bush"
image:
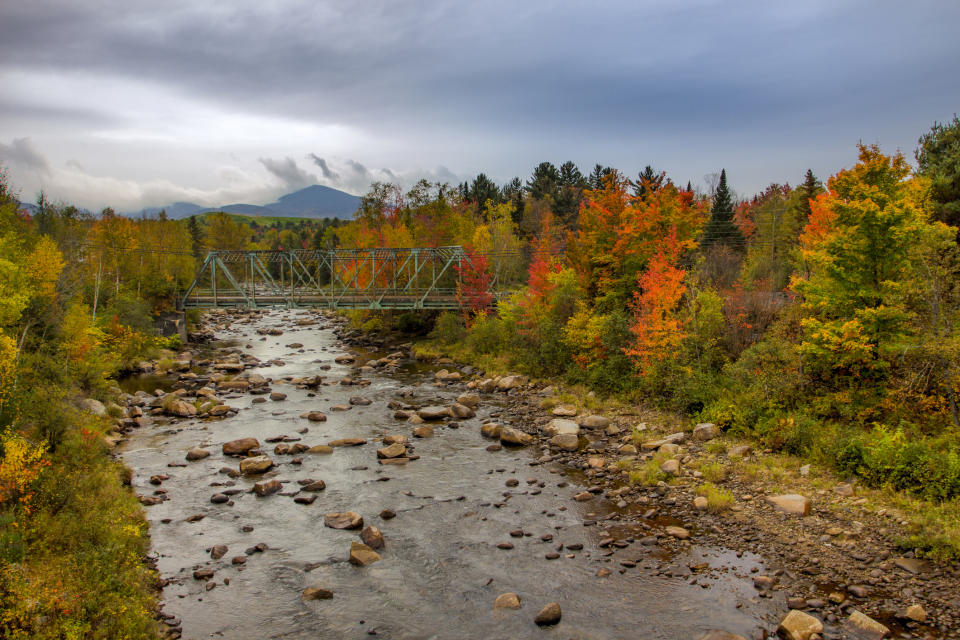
{"points": [[448, 328]]}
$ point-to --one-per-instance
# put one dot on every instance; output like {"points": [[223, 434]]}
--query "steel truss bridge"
{"points": [[413, 278]]}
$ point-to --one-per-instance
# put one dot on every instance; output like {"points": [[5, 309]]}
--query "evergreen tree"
{"points": [[513, 192], [544, 181], [721, 230], [648, 181], [689, 187], [810, 188], [569, 193], [481, 190], [196, 237], [938, 157], [595, 181]]}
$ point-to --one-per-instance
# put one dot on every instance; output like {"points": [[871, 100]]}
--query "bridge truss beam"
{"points": [[382, 278]]}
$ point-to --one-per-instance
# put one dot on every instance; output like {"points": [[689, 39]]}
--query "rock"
{"points": [[791, 503], [705, 431], [395, 439], [314, 486], [93, 406], [671, 466], [912, 565], [565, 441], [345, 520], [423, 431], [316, 593], [344, 359], [844, 489], [394, 450], [220, 410], [678, 532], [700, 503], [583, 496], [461, 411], [594, 422], [858, 591], [256, 464], [798, 625], [865, 626], [763, 583], [471, 400], [310, 499], [674, 438], [564, 411], [915, 612], [314, 416], [320, 448], [805, 470], [180, 408], [388, 514], [507, 601], [716, 634], [347, 442], [509, 435], [218, 551], [509, 382], [197, 454], [603, 572], [372, 537], [362, 555], [360, 401], [596, 462], [491, 430], [267, 487], [740, 451], [204, 573], [219, 498], [559, 426], [670, 448], [276, 396], [435, 412], [550, 614]]}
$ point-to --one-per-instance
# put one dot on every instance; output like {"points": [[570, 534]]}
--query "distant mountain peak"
{"points": [[315, 201]]}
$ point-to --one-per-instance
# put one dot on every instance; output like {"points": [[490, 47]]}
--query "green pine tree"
{"points": [[721, 230]]}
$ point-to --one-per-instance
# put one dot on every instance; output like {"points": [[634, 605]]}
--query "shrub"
{"points": [[448, 328], [717, 499]]}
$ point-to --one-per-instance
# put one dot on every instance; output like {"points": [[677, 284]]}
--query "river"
{"points": [[441, 569]]}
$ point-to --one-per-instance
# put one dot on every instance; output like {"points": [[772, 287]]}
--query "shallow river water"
{"points": [[441, 569]]}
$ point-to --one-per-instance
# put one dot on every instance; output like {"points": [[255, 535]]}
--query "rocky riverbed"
{"points": [[304, 481]]}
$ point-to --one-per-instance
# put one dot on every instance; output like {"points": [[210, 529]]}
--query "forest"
{"points": [[820, 320]]}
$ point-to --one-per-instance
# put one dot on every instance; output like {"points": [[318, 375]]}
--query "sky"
{"points": [[134, 104]]}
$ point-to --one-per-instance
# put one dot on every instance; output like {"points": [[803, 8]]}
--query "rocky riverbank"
{"points": [[373, 494]]}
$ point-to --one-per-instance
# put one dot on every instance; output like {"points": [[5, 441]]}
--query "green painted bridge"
{"points": [[383, 278]]}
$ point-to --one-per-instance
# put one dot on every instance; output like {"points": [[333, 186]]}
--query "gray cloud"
{"points": [[764, 89], [328, 173], [292, 176], [22, 153]]}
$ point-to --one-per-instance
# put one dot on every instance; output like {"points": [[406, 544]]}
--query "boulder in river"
{"points": [[316, 593], [507, 601], [362, 555], [435, 412], [320, 448], [550, 614], [372, 537], [491, 430], [255, 465], [197, 453], [471, 400], [716, 634], [347, 442], [423, 431], [862, 625], [594, 422], [461, 411], [315, 485], [565, 441], [344, 520], [267, 487], [394, 450], [509, 435], [240, 447], [314, 416]]}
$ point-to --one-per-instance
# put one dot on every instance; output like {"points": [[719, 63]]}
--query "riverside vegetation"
{"points": [[819, 322]]}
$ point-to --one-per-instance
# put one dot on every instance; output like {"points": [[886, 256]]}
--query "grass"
{"points": [[718, 499], [714, 472], [648, 473]]}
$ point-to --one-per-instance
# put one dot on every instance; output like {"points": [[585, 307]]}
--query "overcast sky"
{"points": [[133, 104]]}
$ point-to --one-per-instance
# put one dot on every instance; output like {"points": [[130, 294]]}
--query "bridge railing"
{"points": [[379, 278]]}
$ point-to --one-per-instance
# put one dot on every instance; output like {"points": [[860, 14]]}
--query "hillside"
{"points": [[315, 201]]}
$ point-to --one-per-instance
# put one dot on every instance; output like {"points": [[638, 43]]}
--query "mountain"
{"points": [[316, 201]]}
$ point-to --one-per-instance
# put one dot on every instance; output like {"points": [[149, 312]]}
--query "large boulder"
{"points": [[559, 426], [550, 614], [461, 411], [863, 626], [673, 438], [240, 447], [705, 431], [93, 406], [471, 400], [255, 465], [372, 537], [180, 409], [509, 382], [267, 487], [197, 453], [507, 601]]}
